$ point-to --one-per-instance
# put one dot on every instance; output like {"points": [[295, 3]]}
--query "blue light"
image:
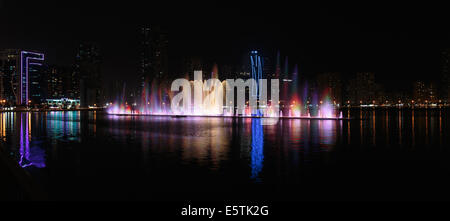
{"points": [[257, 154], [256, 71]]}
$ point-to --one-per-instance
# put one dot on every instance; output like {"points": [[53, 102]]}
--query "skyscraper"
{"points": [[445, 84], [21, 77], [36, 83], [9, 72], [73, 83], [88, 71], [365, 83], [419, 92], [154, 55], [331, 83], [30, 78], [58, 82], [362, 89]]}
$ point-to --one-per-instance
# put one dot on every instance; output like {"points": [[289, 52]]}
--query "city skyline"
{"points": [[83, 81], [229, 109], [320, 40]]}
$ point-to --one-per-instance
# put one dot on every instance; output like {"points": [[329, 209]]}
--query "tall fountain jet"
{"points": [[257, 75], [198, 93], [295, 103]]}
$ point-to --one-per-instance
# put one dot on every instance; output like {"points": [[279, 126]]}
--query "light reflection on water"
{"points": [[81, 145], [257, 148]]}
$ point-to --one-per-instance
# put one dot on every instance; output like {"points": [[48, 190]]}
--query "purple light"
{"points": [[29, 56], [29, 156]]}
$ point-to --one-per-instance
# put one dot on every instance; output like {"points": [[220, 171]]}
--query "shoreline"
{"points": [[21, 184], [49, 110]]}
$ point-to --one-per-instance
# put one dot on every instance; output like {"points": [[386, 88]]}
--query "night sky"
{"points": [[398, 42]]}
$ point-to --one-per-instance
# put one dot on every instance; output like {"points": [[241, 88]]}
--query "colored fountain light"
{"points": [[210, 105], [211, 97]]}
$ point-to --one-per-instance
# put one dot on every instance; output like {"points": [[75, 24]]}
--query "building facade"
{"points": [[88, 70], [154, 56], [21, 77], [9, 75]]}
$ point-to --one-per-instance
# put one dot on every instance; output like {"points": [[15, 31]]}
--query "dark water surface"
{"points": [[392, 155]]}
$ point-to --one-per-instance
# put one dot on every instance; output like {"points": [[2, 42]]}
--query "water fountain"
{"points": [[207, 99]]}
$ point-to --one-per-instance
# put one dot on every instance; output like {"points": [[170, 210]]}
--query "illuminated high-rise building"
{"points": [[58, 82], [362, 89], [9, 72], [154, 55], [21, 77], [419, 92], [36, 81], [88, 71], [445, 82], [365, 83], [331, 83]]}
